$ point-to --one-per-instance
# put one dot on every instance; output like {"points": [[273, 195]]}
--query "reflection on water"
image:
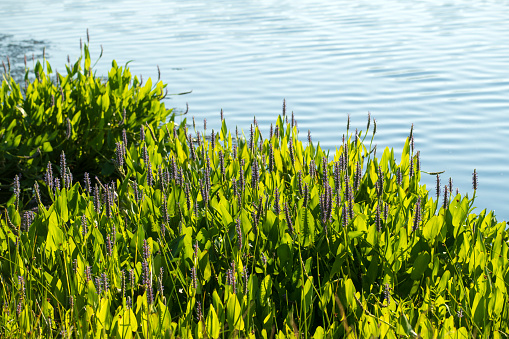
{"points": [[442, 65]]}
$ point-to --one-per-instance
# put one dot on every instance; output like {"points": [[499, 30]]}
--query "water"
{"points": [[441, 65]]}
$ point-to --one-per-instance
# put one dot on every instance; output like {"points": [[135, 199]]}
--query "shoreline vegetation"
{"points": [[119, 222]]}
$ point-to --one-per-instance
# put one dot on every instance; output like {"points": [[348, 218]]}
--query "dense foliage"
{"points": [[77, 112], [205, 234]]}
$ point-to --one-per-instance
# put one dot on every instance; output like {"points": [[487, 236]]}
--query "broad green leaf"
{"points": [[212, 323], [420, 265], [234, 313]]}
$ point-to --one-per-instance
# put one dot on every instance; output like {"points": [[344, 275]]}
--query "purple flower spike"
{"points": [[474, 180], [239, 234]]}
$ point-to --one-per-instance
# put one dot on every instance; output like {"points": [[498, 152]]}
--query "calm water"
{"points": [[441, 65]]}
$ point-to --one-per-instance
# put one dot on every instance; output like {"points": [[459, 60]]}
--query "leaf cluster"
{"points": [[77, 112]]}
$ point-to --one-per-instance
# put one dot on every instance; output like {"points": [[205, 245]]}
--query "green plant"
{"points": [[79, 113], [209, 235]]}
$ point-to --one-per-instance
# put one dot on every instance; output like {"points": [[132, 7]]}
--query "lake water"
{"points": [[441, 65]]}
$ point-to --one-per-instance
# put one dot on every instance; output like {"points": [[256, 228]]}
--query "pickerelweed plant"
{"points": [[76, 112], [219, 236]]}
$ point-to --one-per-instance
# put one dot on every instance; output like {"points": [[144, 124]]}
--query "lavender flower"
{"points": [[241, 176], [284, 107], [312, 169], [17, 190], [450, 185], [105, 282], [213, 141], [377, 218], [146, 273], [98, 285], [324, 170], [68, 129], [88, 274], [254, 175], [299, 181], [199, 315], [19, 308], [474, 180], [276, 201], [380, 181], [411, 166], [417, 215], [109, 249], [264, 258], [150, 294], [438, 187], [124, 138], [288, 219], [21, 281], [345, 215], [399, 178], [194, 278], [358, 176], [245, 275], [290, 148], [37, 193], [239, 234], [337, 176], [164, 210], [418, 162], [120, 154], [306, 195], [196, 248], [271, 159], [142, 133], [387, 294], [150, 175], [86, 179], [27, 219], [161, 286], [48, 177], [309, 136], [63, 169], [254, 216], [445, 196], [369, 121]]}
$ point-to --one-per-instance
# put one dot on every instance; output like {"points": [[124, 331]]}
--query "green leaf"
{"points": [[234, 313], [265, 290], [420, 265], [308, 293], [350, 293], [433, 227], [46, 147], [212, 323], [104, 315]]}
